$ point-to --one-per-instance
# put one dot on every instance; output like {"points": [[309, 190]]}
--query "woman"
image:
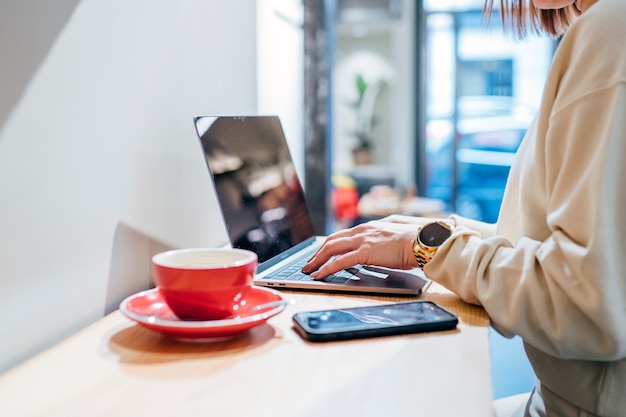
{"points": [[553, 267]]}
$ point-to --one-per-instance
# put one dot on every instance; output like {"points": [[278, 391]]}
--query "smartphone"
{"points": [[373, 321]]}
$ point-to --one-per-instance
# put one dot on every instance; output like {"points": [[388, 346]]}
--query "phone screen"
{"points": [[387, 319]]}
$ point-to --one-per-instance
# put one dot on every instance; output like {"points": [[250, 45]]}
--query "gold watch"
{"points": [[429, 238]]}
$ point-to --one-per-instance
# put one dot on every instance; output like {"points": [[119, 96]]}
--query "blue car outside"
{"points": [[489, 131]]}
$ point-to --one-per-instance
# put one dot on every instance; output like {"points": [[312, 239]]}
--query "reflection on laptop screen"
{"points": [[261, 198]]}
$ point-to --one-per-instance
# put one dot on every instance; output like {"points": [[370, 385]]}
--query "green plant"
{"points": [[365, 106]]}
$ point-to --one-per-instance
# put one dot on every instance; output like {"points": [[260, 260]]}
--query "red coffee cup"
{"points": [[203, 283]]}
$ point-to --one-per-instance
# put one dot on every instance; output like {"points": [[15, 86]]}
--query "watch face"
{"points": [[434, 234]]}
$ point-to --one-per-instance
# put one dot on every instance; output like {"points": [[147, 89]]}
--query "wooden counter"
{"points": [[117, 368]]}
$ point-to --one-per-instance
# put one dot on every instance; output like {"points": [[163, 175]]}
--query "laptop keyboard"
{"points": [[294, 272]]}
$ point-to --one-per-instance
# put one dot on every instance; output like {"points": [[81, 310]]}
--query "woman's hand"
{"points": [[381, 243]]}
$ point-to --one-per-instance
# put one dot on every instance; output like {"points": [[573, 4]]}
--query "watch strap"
{"points": [[420, 255]]}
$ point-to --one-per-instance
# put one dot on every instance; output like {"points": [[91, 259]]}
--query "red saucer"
{"points": [[148, 308]]}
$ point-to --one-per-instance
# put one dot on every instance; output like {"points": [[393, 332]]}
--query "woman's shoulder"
{"points": [[603, 24], [592, 54]]}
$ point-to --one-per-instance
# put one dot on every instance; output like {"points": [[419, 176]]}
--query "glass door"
{"points": [[482, 90]]}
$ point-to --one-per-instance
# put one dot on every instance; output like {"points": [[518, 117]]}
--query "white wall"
{"points": [[99, 164], [280, 57], [27, 30]]}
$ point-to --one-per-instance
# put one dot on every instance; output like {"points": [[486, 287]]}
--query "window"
{"points": [[482, 90]]}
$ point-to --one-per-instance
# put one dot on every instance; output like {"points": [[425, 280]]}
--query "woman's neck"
{"points": [[583, 5]]}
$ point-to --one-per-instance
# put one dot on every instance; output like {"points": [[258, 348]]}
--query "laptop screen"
{"points": [[261, 198]]}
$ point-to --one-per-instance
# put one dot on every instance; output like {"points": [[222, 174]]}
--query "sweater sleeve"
{"points": [[563, 291], [484, 230]]}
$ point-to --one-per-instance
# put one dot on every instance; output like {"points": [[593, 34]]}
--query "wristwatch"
{"points": [[429, 238]]}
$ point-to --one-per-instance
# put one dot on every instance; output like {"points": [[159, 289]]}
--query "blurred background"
{"points": [[438, 99]]}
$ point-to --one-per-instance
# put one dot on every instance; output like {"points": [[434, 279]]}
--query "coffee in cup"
{"points": [[203, 283]]}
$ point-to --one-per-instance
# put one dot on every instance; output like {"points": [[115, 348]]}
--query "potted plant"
{"points": [[366, 120]]}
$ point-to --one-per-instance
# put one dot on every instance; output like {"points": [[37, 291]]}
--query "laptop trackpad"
{"points": [[357, 272], [375, 276]]}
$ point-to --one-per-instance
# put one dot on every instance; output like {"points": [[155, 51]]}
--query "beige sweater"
{"points": [[553, 268]]}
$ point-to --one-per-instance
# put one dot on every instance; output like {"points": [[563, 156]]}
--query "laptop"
{"points": [[264, 209]]}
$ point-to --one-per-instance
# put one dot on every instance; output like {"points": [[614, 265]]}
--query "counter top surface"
{"points": [[117, 368]]}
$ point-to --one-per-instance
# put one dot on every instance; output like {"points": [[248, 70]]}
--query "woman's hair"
{"points": [[522, 17]]}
